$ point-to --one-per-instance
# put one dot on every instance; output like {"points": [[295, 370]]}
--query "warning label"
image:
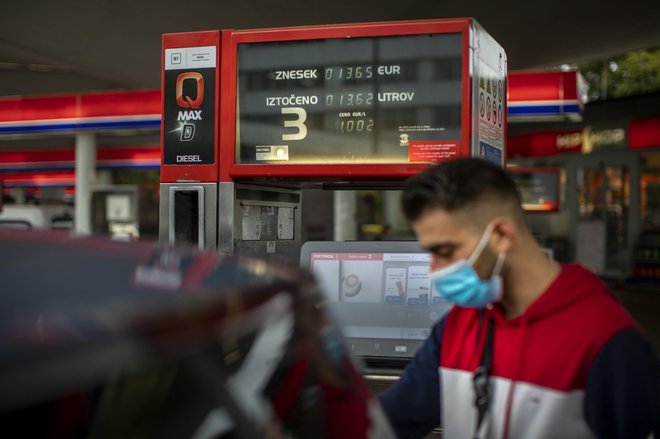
{"points": [[430, 151], [489, 99], [490, 109]]}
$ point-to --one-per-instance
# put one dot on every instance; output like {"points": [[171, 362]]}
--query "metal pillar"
{"points": [[345, 215], [85, 173], [393, 213], [19, 195]]}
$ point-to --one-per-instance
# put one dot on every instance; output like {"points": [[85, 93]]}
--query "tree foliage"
{"points": [[632, 73]]}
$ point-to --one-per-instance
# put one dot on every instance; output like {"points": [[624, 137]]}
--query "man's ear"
{"points": [[504, 235]]}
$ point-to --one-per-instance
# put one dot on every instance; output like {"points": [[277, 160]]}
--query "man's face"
{"points": [[450, 237]]}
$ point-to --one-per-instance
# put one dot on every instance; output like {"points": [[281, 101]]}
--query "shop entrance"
{"points": [[603, 205], [606, 213]]}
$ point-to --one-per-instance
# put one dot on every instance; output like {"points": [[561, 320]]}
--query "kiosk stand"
{"points": [[252, 118]]}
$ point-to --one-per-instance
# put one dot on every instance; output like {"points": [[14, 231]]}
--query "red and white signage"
{"points": [[545, 143], [645, 133]]}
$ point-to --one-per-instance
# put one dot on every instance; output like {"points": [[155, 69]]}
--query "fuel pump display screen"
{"points": [[351, 100]]}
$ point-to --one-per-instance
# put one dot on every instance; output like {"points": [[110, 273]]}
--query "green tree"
{"points": [[632, 73]]}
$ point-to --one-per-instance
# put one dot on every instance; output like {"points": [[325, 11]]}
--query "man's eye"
{"points": [[444, 253]]}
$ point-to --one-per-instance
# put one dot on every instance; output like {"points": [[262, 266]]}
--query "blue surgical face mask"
{"points": [[460, 284]]}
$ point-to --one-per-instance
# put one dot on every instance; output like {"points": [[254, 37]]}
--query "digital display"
{"points": [[352, 100], [539, 189]]}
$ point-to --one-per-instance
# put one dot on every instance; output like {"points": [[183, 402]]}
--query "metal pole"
{"points": [[85, 172], [393, 215], [345, 215], [19, 195]]}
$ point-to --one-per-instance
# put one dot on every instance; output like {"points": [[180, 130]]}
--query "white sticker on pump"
{"points": [[251, 230], [190, 58], [285, 223]]}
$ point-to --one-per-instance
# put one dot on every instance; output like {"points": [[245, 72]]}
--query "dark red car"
{"points": [[113, 339]]}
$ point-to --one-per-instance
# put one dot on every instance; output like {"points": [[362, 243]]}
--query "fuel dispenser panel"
{"points": [[376, 101], [253, 117]]}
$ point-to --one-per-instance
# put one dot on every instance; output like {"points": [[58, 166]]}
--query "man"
{"points": [[555, 354]]}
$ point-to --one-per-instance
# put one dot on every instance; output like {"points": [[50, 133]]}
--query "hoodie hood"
{"points": [[573, 284]]}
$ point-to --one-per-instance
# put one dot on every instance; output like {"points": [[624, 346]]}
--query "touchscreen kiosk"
{"points": [[380, 292]]}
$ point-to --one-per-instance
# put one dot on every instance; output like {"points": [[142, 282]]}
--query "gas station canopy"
{"points": [[48, 47]]}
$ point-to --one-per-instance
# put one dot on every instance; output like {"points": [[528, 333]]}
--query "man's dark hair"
{"points": [[455, 185]]}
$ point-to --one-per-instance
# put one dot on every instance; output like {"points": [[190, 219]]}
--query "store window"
{"points": [[603, 203], [650, 192], [647, 250]]}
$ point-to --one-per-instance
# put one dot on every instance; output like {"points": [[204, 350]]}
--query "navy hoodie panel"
{"points": [[412, 404], [619, 402]]}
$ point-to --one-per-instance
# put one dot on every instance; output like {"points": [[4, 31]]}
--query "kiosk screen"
{"points": [[380, 292]]}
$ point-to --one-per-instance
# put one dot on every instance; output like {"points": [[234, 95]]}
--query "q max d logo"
{"points": [[185, 101]]}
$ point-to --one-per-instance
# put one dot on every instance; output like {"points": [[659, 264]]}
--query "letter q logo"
{"points": [[187, 101]]}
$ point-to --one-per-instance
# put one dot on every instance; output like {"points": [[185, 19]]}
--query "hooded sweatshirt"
{"points": [[573, 365]]}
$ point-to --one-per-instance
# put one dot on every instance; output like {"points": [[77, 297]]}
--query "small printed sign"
{"points": [[285, 223], [272, 152], [190, 58], [432, 151]]}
